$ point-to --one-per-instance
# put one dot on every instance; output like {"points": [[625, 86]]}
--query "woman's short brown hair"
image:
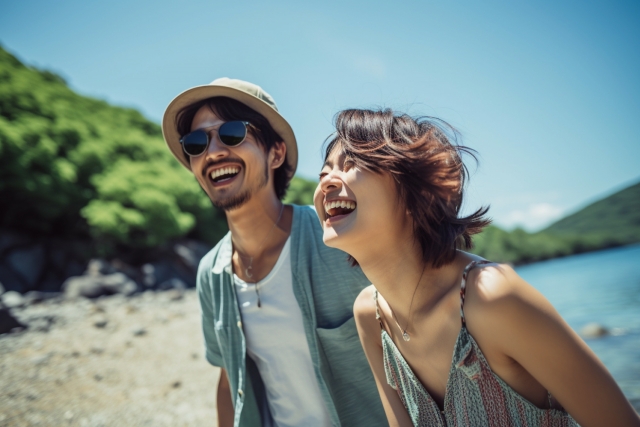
{"points": [[425, 160]]}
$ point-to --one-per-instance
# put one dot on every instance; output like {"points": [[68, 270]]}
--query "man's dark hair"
{"points": [[426, 167], [229, 109]]}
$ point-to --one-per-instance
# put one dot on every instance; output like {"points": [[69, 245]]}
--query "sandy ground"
{"points": [[116, 361]]}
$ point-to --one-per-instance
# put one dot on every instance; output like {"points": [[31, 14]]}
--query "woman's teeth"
{"points": [[339, 207], [224, 173]]}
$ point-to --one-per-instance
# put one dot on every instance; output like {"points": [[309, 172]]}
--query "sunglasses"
{"points": [[230, 134]]}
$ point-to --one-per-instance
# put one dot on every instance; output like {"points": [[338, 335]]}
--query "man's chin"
{"points": [[232, 202]]}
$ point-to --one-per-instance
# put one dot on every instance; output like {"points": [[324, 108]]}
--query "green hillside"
{"points": [[616, 217], [612, 221], [78, 167]]}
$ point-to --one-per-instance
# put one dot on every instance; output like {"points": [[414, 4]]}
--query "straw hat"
{"points": [[249, 94]]}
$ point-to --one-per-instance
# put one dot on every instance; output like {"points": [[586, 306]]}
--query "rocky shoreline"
{"points": [[116, 360]]}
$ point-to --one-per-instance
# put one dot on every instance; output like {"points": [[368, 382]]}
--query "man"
{"points": [[276, 302]]}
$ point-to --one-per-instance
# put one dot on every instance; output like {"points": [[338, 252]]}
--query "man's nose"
{"points": [[216, 148]]}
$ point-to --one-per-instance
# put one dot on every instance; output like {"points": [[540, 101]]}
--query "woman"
{"points": [[389, 195]]}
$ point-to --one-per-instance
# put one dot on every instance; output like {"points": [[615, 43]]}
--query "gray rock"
{"points": [[13, 299], [100, 323], [594, 330], [165, 271], [187, 255], [138, 332], [94, 286]]}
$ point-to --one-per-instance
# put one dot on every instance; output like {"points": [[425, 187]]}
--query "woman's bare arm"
{"points": [[506, 313], [369, 331]]}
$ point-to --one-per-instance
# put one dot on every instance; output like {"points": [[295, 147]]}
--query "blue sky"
{"points": [[547, 92]]}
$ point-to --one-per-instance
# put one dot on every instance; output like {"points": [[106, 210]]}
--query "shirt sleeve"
{"points": [[203, 284]]}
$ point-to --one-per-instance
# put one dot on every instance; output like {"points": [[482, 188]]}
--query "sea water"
{"points": [[599, 287]]}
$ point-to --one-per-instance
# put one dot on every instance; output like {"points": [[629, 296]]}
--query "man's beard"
{"points": [[234, 202]]}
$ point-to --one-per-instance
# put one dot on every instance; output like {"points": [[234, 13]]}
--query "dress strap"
{"points": [[463, 285], [375, 298]]}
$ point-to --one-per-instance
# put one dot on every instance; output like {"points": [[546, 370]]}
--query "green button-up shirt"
{"points": [[325, 286]]}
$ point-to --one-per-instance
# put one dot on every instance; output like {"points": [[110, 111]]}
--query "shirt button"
{"points": [[240, 392], [239, 324]]}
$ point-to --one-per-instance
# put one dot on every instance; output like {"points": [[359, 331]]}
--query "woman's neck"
{"points": [[400, 275]]}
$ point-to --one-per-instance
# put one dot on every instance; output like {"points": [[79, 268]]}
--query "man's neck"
{"points": [[253, 225]]}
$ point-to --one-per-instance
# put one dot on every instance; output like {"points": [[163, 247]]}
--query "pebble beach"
{"points": [[113, 361]]}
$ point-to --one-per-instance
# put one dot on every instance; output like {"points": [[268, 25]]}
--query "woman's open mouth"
{"points": [[338, 209]]}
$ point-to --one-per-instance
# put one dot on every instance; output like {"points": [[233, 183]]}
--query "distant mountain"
{"points": [[614, 218], [612, 221]]}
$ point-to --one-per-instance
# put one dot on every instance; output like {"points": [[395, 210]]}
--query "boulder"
{"points": [[13, 299], [163, 274], [99, 267], [94, 286]]}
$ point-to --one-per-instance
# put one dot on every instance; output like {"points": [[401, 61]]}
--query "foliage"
{"points": [[76, 166], [300, 191], [520, 247]]}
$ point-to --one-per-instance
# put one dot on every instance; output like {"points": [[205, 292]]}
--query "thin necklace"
{"points": [[247, 270], [405, 334]]}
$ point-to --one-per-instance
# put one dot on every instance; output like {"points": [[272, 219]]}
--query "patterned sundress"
{"points": [[474, 396]]}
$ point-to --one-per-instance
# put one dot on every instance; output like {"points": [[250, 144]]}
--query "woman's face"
{"points": [[358, 209]]}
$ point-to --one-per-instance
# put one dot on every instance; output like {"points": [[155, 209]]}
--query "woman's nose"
{"points": [[330, 182]]}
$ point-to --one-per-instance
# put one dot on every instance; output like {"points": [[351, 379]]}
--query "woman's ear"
{"points": [[277, 155]]}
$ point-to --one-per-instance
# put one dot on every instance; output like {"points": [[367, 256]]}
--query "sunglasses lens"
{"points": [[195, 143], [232, 133]]}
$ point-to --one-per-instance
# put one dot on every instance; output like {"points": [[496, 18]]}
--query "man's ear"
{"points": [[277, 155]]}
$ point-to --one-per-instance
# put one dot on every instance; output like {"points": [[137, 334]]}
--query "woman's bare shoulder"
{"points": [[499, 304]]}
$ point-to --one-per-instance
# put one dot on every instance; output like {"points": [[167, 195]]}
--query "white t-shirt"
{"points": [[277, 343]]}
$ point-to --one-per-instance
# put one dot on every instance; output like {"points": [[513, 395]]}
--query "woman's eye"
{"points": [[348, 164], [323, 174]]}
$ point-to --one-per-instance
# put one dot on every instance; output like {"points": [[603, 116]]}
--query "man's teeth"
{"points": [[225, 171]]}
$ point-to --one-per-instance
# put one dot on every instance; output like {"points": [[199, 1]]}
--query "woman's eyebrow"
{"points": [[328, 163]]}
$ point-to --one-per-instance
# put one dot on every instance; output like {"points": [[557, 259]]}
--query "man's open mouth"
{"points": [[224, 174], [337, 208]]}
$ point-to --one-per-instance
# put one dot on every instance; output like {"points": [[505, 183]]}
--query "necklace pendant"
{"points": [[405, 336], [247, 271]]}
